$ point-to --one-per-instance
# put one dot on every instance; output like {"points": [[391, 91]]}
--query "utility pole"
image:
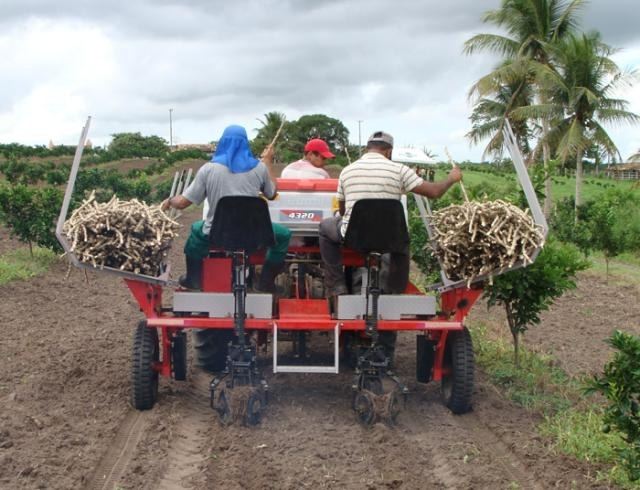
{"points": [[359, 137], [170, 130]]}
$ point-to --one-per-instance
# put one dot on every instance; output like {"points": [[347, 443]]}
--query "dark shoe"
{"points": [[193, 278], [270, 271]]}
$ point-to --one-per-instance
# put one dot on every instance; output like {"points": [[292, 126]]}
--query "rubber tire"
{"points": [[144, 379], [179, 356], [457, 388], [211, 348]]}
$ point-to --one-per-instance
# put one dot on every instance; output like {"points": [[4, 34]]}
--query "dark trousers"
{"points": [[395, 267]]}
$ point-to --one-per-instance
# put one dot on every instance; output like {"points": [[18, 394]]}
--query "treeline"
{"points": [[31, 194]]}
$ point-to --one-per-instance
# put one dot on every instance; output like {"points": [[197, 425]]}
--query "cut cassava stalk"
{"points": [[481, 238], [125, 235]]}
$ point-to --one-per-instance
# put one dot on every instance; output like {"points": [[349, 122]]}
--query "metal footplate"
{"points": [[307, 369]]}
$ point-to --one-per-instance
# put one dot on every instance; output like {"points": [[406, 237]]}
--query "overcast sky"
{"points": [[394, 65]]}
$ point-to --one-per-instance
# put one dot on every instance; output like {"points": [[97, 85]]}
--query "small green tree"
{"points": [[30, 213], [613, 223], [620, 384], [527, 292]]}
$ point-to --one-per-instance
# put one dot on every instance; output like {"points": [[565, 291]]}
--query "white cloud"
{"points": [[396, 66]]}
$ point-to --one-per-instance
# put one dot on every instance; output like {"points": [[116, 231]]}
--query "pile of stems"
{"points": [[483, 238], [126, 235]]}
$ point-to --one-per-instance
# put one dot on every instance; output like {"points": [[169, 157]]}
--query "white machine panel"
{"points": [[221, 305], [390, 306]]}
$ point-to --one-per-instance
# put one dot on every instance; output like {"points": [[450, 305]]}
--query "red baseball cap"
{"points": [[319, 146]]}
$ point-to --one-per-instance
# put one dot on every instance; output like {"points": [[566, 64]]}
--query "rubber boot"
{"points": [[270, 271], [193, 278]]}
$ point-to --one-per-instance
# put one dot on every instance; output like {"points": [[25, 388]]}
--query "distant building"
{"points": [[206, 147], [625, 171]]}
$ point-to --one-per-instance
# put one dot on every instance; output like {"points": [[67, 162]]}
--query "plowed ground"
{"points": [[65, 420]]}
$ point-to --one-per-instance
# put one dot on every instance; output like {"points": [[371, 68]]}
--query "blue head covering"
{"points": [[233, 151]]}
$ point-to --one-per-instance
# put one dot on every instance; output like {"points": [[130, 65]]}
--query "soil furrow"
{"points": [[119, 454], [188, 449]]}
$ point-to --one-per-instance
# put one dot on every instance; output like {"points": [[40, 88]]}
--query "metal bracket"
{"points": [[307, 369]]}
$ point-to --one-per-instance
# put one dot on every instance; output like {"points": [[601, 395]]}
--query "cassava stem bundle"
{"points": [[125, 235], [478, 238]]}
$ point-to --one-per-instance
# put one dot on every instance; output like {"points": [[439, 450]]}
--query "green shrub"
{"points": [[620, 384], [527, 292], [31, 213]]}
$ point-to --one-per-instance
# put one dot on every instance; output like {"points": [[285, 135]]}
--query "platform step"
{"points": [[307, 369]]}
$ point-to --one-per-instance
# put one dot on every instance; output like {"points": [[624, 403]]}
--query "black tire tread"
{"points": [[211, 347], [463, 369], [144, 379]]}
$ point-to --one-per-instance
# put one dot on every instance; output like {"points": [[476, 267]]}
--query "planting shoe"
{"points": [[193, 278]]}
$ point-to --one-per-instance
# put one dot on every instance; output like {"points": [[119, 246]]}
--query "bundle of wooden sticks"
{"points": [[126, 235], [478, 238]]}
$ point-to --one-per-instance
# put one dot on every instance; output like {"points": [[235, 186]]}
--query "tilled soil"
{"points": [[65, 419], [576, 326]]}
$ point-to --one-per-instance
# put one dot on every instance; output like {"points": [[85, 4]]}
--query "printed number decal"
{"points": [[296, 215], [299, 215]]}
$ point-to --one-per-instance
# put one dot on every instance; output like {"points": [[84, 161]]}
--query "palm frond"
{"points": [[493, 43]]}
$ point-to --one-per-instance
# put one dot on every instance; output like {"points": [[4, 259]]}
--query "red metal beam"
{"points": [[302, 323]]}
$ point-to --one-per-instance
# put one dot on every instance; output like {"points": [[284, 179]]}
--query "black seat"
{"points": [[377, 225], [241, 223]]}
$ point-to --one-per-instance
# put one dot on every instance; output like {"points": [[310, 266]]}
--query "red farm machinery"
{"points": [[233, 324]]}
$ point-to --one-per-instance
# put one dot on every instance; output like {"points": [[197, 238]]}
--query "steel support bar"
{"points": [[297, 324]]}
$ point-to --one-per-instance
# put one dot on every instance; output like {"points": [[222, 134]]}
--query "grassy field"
{"points": [[562, 186], [19, 264], [572, 421]]}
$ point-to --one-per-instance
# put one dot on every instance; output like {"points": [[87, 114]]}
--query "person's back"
{"points": [[373, 176], [316, 152], [217, 181]]}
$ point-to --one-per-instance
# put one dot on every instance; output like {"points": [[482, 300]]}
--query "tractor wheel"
{"points": [[364, 407], [144, 378], [211, 347], [179, 356], [457, 385]]}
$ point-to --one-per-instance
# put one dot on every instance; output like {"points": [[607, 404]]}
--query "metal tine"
{"points": [[173, 186], [187, 181], [183, 183], [175, 190]]}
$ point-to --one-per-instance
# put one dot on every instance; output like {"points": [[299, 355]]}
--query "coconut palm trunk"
{"points": [[547, 171], [578, 182]]}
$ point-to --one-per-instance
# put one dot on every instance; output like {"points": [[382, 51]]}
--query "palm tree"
{"points": [[531, 25], [578, 91], [491, 112], [271, 122]]}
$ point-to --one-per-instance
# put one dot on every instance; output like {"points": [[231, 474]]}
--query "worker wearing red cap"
{"points": [[316, 153]]}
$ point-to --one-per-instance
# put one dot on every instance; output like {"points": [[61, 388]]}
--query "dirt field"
{"points": [[65, 420]]}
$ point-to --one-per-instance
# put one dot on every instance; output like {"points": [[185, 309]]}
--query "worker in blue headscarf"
{"points": [[233, 171]]}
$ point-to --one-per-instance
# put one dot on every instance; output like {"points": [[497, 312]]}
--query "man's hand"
{"points": [[455, 175], [166, 204], [267, 154]]}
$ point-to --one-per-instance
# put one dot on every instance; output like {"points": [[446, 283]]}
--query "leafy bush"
{"points": [[620, 384], [179, 155], [162, 190], [127, 145], [527, 292], [564, 226], [30, 213]]}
